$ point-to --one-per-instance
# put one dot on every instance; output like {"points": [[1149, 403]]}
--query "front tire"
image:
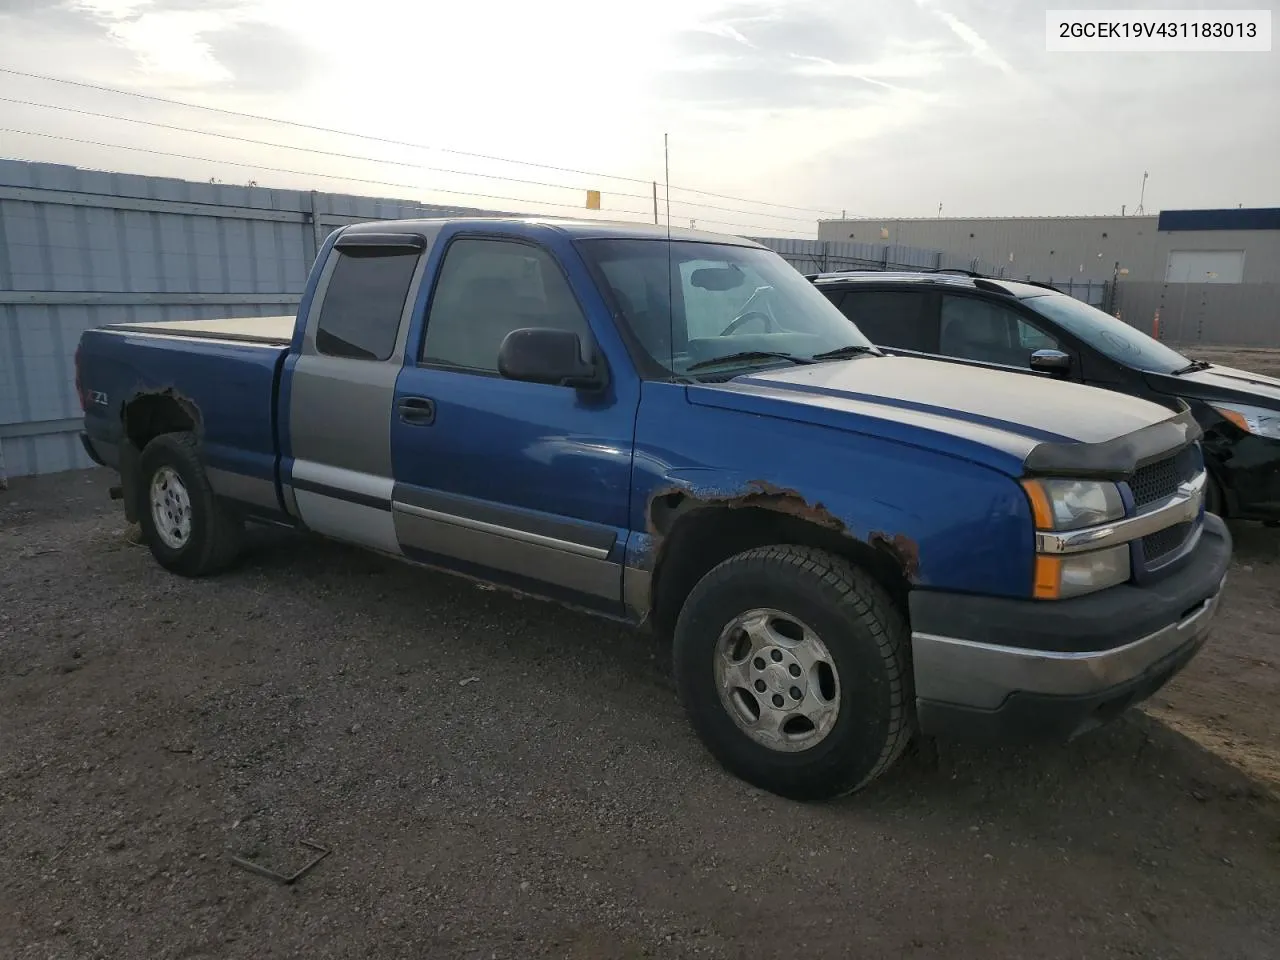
{"points": [[793, 666], [189, 530]]}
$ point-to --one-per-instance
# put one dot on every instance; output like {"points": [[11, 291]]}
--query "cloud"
{"points": [[816, 56], [48, 16], [883, 108], [262, 56], [974, 41], [179, 42]]}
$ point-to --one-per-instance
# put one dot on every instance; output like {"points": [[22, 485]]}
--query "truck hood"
{"points": [[1047, 426], [1220, 383]]}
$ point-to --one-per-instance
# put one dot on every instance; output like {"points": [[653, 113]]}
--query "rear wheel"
{"points": [[189, 530], [793, 666]]}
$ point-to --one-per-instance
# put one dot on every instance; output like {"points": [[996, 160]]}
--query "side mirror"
{"points": [[1053, 362], [541, 355]]}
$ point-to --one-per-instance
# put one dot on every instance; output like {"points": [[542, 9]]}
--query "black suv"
{"points": [[1034, 329]]}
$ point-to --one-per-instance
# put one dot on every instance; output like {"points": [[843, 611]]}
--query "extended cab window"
{"points": [[487, 288], [977, 329], [360, 315], [893, 318]]}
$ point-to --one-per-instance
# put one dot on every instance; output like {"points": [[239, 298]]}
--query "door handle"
{"points": [[417, 411]]}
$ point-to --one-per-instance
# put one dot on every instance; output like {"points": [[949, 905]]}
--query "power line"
{"points": [[399, 143], [333, 176], [395, 163], [299, 173]]}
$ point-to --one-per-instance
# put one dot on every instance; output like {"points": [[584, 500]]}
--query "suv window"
{"points": [[976, 329], [487, 288], [891, 318], [360, 315]]}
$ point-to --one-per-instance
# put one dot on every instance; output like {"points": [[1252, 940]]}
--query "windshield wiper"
{"points": [[1192, 367], [745, 355], [840, 353]]}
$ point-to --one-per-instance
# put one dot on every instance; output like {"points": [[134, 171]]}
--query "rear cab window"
{"points": [[364, 302]]}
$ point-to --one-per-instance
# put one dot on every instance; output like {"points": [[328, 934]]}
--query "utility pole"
{"points": [[666, 170], [655, 202]]}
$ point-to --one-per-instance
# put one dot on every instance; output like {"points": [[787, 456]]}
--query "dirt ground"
{"points": [[1257, 359], [497, 777]]}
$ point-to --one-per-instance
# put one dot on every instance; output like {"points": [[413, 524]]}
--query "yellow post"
{"points": [[593, 199]]}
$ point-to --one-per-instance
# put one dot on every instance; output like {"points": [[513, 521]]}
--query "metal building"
{"points": [[1176, 246]]}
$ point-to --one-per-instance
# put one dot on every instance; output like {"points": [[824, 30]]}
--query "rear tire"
{"points": [[189, 530], [823, 653]]}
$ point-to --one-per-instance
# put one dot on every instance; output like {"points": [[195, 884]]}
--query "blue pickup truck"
{"points": [[677, 429]]}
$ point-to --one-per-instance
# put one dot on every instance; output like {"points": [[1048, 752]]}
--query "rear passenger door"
{"points": [[899, 320], [340, 389]]}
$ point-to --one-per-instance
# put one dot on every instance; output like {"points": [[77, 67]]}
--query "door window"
{"points": [[892, 318], [486, 289], [976, 329]]}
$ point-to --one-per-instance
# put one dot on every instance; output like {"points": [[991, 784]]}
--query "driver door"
{"points": [[991, 333], [524, 483]]}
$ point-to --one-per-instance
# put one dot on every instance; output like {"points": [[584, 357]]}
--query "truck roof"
{"points": [[578, 229]]}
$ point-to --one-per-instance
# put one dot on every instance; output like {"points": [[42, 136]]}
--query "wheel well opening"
{"points": [[146, 417], [698, 538]]}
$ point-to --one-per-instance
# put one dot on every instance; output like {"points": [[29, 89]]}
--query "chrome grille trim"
{"points": [[1182, 507]]}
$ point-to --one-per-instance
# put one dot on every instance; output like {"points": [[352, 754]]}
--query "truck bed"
{"points": [[272, 331]]}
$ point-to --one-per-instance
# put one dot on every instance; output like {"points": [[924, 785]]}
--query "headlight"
{"points": [[1072, 504], [1060, 505], [1256, 420]]}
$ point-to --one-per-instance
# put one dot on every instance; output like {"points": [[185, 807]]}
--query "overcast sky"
{"points": [[879, 108]]}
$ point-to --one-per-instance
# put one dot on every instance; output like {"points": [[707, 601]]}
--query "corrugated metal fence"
{"points": [[1229, 314], [81, 248]]}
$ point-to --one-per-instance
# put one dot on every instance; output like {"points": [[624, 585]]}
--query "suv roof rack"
{"points": [[989, 284], [986, 276], [840, 273], [983, 281]]}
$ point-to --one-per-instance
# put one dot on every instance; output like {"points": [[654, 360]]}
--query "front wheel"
{"points": [[187, 527], [794, 668]]}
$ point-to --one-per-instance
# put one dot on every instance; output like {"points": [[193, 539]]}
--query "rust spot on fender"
{"points": [[755, 493], [902, 548]]}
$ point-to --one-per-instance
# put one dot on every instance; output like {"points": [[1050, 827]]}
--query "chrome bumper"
{"points": [[982, 676]]}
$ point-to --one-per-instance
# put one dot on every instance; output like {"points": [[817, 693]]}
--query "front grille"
{"points": [[1159, 480], [1161, 544]]}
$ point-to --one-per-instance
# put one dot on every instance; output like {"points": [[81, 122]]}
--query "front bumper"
{"points": [[997, 669]]}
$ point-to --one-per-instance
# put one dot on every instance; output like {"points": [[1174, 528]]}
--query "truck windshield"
{"points": [[1111, 337], [690, 304]]}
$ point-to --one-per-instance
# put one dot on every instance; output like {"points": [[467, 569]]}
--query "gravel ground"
{"points": [[498, 777], [1264, 360]]}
